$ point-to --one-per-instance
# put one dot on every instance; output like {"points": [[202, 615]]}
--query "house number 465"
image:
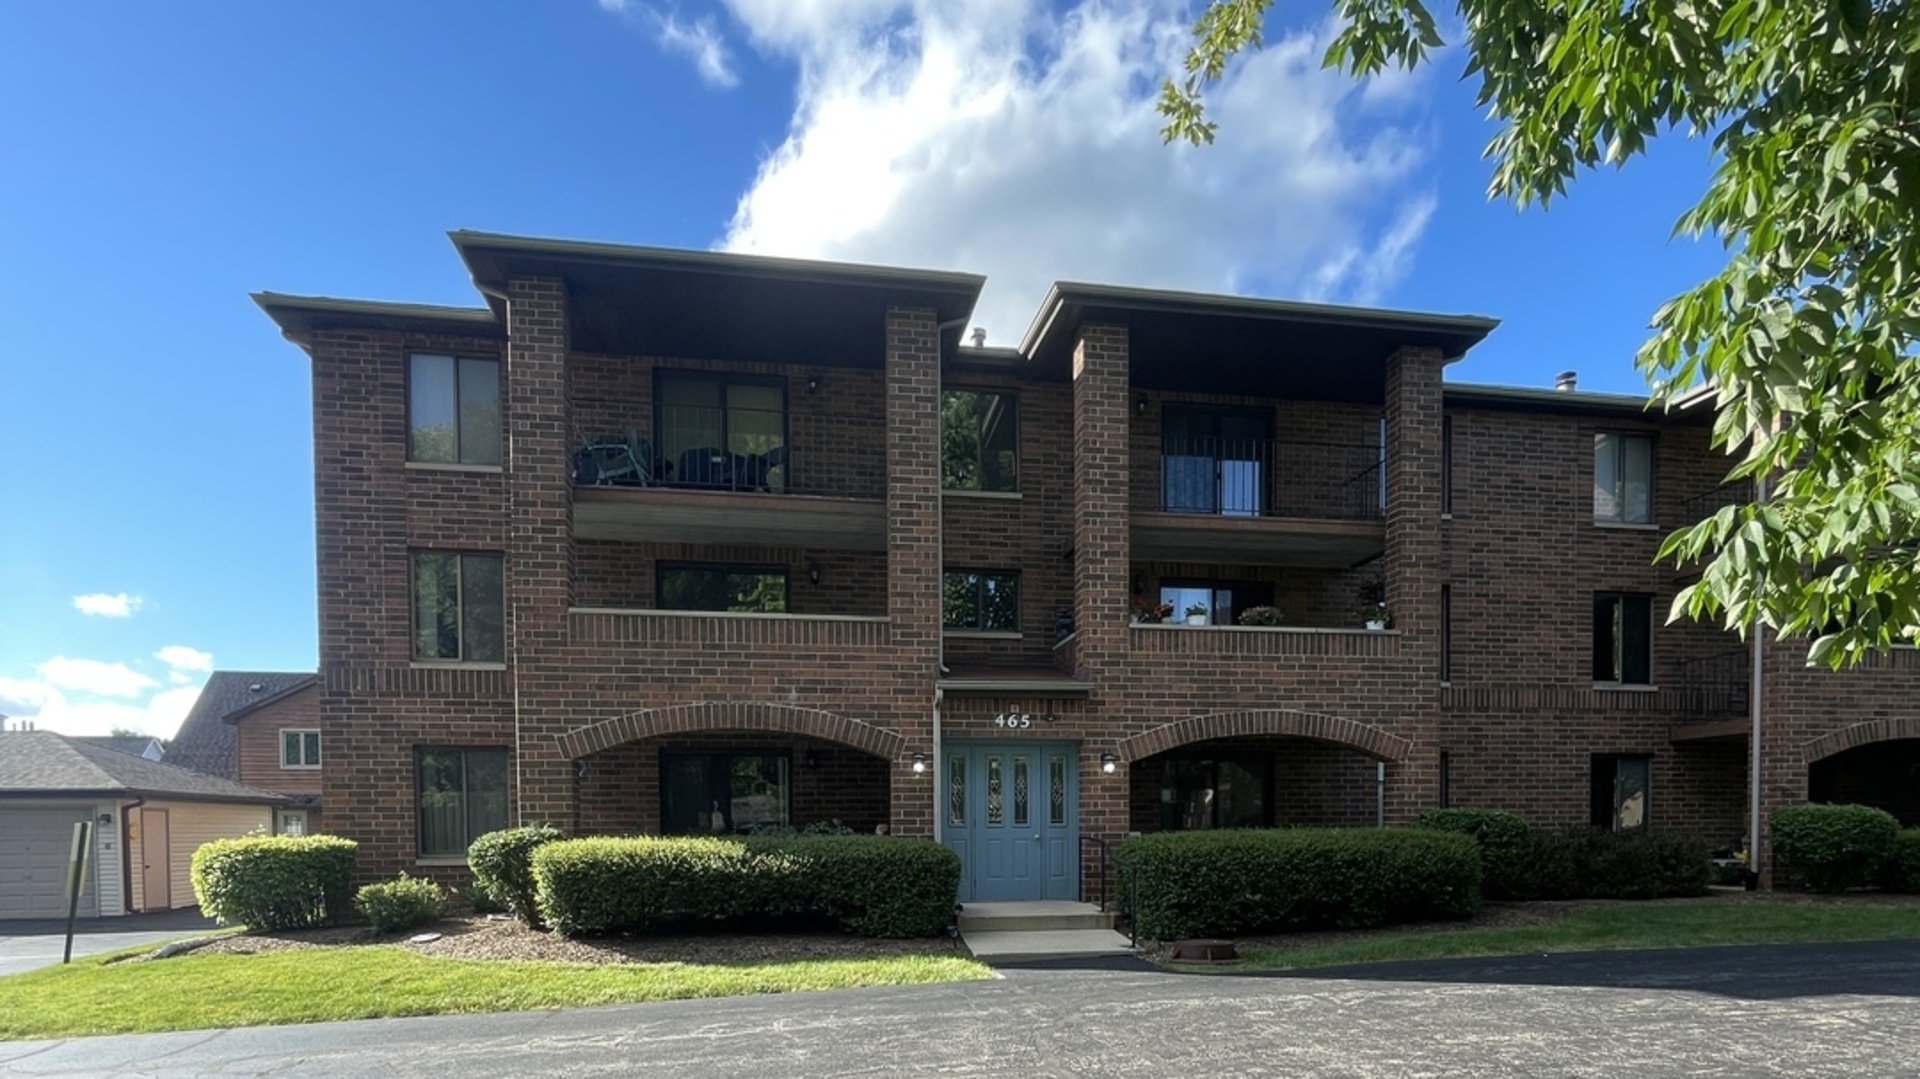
{"points": [[1013, 721]]}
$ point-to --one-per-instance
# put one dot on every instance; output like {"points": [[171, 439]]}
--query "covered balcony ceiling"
{"points": [[649, 301], [1196, 342], [1257, 541]]}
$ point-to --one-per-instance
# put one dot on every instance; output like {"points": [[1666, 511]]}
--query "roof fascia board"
{"points": [[253, 706]]}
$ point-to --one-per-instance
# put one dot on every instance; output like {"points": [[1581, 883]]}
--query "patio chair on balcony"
{"points": [[716, 469], [619, 460]]}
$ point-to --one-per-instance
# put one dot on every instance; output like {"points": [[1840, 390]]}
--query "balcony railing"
{"points": [[1268, 478], [1707, 503], [1717, 683], [718, 449]]}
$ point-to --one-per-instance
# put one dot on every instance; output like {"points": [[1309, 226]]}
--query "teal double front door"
{"points": [[1011, 811]]}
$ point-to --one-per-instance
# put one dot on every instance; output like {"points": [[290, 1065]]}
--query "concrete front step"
{"points": [[1031, 917], [1026, 945], [1018, 932]]}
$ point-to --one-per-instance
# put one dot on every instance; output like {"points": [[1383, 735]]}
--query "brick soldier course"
{"points": [[1474, 519]]}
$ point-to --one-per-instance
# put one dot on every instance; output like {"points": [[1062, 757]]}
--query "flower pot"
{"points": [[1376, 624], [1196, 620]]}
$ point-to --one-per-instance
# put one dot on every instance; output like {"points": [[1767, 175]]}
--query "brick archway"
{"points": [[1287, 723], [1858, 734], [731, 716]]}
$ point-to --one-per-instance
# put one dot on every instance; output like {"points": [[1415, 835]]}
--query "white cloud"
{"points": [[996, 137], [51, 710], [119, 605], [698, 39], [91, 676], [181, 658]]}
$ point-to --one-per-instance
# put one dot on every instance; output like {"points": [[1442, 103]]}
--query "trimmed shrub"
{"points": [[481, 898], [274, 882], [1830, 848], [1189, 884], [876, 886], [1901, 872], [401, 903], [868, 884], [1505, 844], [502, 864], [1636, 864]]}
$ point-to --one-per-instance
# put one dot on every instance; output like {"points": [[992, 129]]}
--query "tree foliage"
{"points": [[1804, 341]]}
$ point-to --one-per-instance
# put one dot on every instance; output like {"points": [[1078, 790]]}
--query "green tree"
{"points": [[1806, 336]]}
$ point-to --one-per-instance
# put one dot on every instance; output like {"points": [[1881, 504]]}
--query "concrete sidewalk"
{"points": [[38, 942]]}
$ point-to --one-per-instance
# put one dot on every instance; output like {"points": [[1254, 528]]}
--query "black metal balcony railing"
{"points": [[1705, 504], [1716, 683], [717, 449], [1268, 478]]}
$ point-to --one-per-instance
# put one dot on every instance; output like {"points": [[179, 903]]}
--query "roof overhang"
{"points": [[1529, 399], [300, 316], [663, 302], [127, 794], [1197, 342]]}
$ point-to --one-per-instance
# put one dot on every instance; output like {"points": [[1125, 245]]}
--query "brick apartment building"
{"points": [[671, 541]]}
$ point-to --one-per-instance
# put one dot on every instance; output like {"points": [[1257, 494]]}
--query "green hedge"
{"points": [[1505, 846], [1901, 871], [1594, 863], [274, 882], [1193, 884], [401, 903], [502, 864], [874, 885], [1830, 848]]}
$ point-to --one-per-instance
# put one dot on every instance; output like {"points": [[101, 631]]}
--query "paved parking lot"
{"points": [[27, 944]]}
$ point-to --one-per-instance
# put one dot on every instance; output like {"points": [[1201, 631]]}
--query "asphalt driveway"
{"points": [[31, 943], [1060, 1023]]}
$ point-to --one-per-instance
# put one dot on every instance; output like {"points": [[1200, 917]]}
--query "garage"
{"points": [[34, 847], [148, 818]]}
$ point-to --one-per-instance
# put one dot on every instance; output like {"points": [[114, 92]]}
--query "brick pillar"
{"points": [[1414, 570], [913, 549], [1102, 570], [539, 555]]}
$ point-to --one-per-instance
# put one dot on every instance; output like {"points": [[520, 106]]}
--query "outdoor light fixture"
{"points": [[919, 762], [1109, 762], [812, 758], [813, 383], [1140, 405], [106, 820], [813, 573]]}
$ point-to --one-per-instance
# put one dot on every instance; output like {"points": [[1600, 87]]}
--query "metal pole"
{"points": [[76, 879], [1380, 793], [1758, 638]]}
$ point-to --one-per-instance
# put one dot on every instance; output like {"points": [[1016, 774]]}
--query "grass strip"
{"points": [[1628, 926], [193, 992]]}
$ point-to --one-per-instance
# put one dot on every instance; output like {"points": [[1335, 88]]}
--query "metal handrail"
{"points": [[1133, 886], [1246, 477]]}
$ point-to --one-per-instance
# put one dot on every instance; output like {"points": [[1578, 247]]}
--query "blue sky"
{"points": [[160, 162]]}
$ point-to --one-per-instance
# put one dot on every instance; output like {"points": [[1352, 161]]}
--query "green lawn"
{"points": [[309, 986], [1629, 925]]}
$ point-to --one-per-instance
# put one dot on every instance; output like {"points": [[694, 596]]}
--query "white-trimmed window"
{"points": [[453, 410], [1623, 479], [299, 748], [291, 822]]}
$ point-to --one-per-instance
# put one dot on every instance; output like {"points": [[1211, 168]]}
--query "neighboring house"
{"points": [[139, 745], [149, 818], [675, 541], [260, 728]]}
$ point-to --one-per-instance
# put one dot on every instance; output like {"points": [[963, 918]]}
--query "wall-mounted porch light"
{"points": [[813, 383], [1108, 763], [919, 763], [813, 573]]}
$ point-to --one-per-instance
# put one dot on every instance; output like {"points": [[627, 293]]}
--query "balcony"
{"points": [[1265, 502], [726, 476], [1705, 504]]}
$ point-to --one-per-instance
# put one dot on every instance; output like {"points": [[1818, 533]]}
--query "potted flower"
{"points": [[1148, 611], [1197, 615], [1375, 615], [1260, 616]]}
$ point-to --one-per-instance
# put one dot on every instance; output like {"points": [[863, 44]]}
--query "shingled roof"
{"points": [[207, 741], [42, 764]]}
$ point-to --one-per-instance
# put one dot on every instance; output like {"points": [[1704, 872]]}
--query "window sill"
{"points": [[454, 665], [452, 466], [1626, 526], [959, 492], [1623, 687], [459, 860], [984, 634], [299, 768]]}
